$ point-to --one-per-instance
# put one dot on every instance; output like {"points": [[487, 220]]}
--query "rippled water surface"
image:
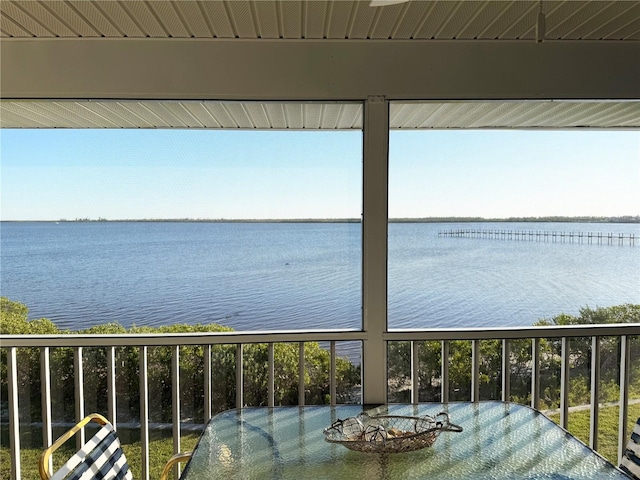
{"points": [[270, 276]]}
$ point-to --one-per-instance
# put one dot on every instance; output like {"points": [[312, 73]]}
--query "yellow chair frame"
{"points": [[43, 465]]}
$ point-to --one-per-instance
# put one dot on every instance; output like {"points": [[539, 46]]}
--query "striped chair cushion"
{"points": [[631, 459], [100, 458]]}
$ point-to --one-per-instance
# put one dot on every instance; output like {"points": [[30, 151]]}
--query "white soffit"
{"points": [[320, 19], [515, 114], [151, 114], [179, 114]]}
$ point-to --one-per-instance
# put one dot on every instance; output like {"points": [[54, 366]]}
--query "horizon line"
{"points": [[432, 219]]}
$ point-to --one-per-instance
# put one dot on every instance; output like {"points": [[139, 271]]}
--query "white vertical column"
{"points": [[374, 249]]}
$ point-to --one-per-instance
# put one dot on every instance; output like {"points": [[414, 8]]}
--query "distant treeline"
{"points": [[218, 220], [556, 219]]}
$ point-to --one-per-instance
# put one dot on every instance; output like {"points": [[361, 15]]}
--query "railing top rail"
{"points": [[282, 336], [541, 331], [195, 338]]}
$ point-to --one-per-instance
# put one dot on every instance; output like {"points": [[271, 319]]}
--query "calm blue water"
{"points": [[271, 276]]}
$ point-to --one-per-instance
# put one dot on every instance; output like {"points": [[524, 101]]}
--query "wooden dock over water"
{"points": [[599, 238]]}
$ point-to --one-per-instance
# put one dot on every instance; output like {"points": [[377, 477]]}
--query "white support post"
{"points": [[374, 248], [14, 416]]}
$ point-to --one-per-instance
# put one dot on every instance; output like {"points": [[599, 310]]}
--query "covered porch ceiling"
{"points": [[159, 114], [261, 64]]}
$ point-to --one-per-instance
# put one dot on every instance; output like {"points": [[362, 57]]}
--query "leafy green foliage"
{"points": [[14, 320], [399, 360]]}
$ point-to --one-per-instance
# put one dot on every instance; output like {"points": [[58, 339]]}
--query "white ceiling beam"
{"points": [[316, 70]]}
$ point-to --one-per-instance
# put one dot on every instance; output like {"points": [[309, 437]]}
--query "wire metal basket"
{"points": [[389, 433]]}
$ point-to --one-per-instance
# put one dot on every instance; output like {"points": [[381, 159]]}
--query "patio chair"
{"points": [[101, 457], [631, 459]]}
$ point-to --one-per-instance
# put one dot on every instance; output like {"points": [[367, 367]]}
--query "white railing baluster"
{"points": [[239, 377], [45, 389], [444, 368], [301, 398], [111, 386], [271, 381], [415, 371], [175, 403], [332, 372], [475, 370], [595, 392], [564, 382], [144, 412], [535, 373], [14, 416], [78, 381], [625, 360], [208, 386], [506, 370]]}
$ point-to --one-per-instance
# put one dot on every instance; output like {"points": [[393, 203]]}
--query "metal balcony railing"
{"points": [[621, 333]]}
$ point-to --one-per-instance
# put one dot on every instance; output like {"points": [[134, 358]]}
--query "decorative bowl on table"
{"points": [[389, 433]]}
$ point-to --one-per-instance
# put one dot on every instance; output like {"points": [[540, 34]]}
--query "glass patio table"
{"points": [[499, 441]]}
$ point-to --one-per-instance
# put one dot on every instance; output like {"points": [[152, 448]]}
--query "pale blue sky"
{"points": [[134, 174]]}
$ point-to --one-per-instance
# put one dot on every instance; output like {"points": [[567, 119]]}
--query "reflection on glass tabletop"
{"points": [[500, 441]]}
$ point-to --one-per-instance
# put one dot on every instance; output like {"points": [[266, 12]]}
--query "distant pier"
{"points": [[599, 238]]}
